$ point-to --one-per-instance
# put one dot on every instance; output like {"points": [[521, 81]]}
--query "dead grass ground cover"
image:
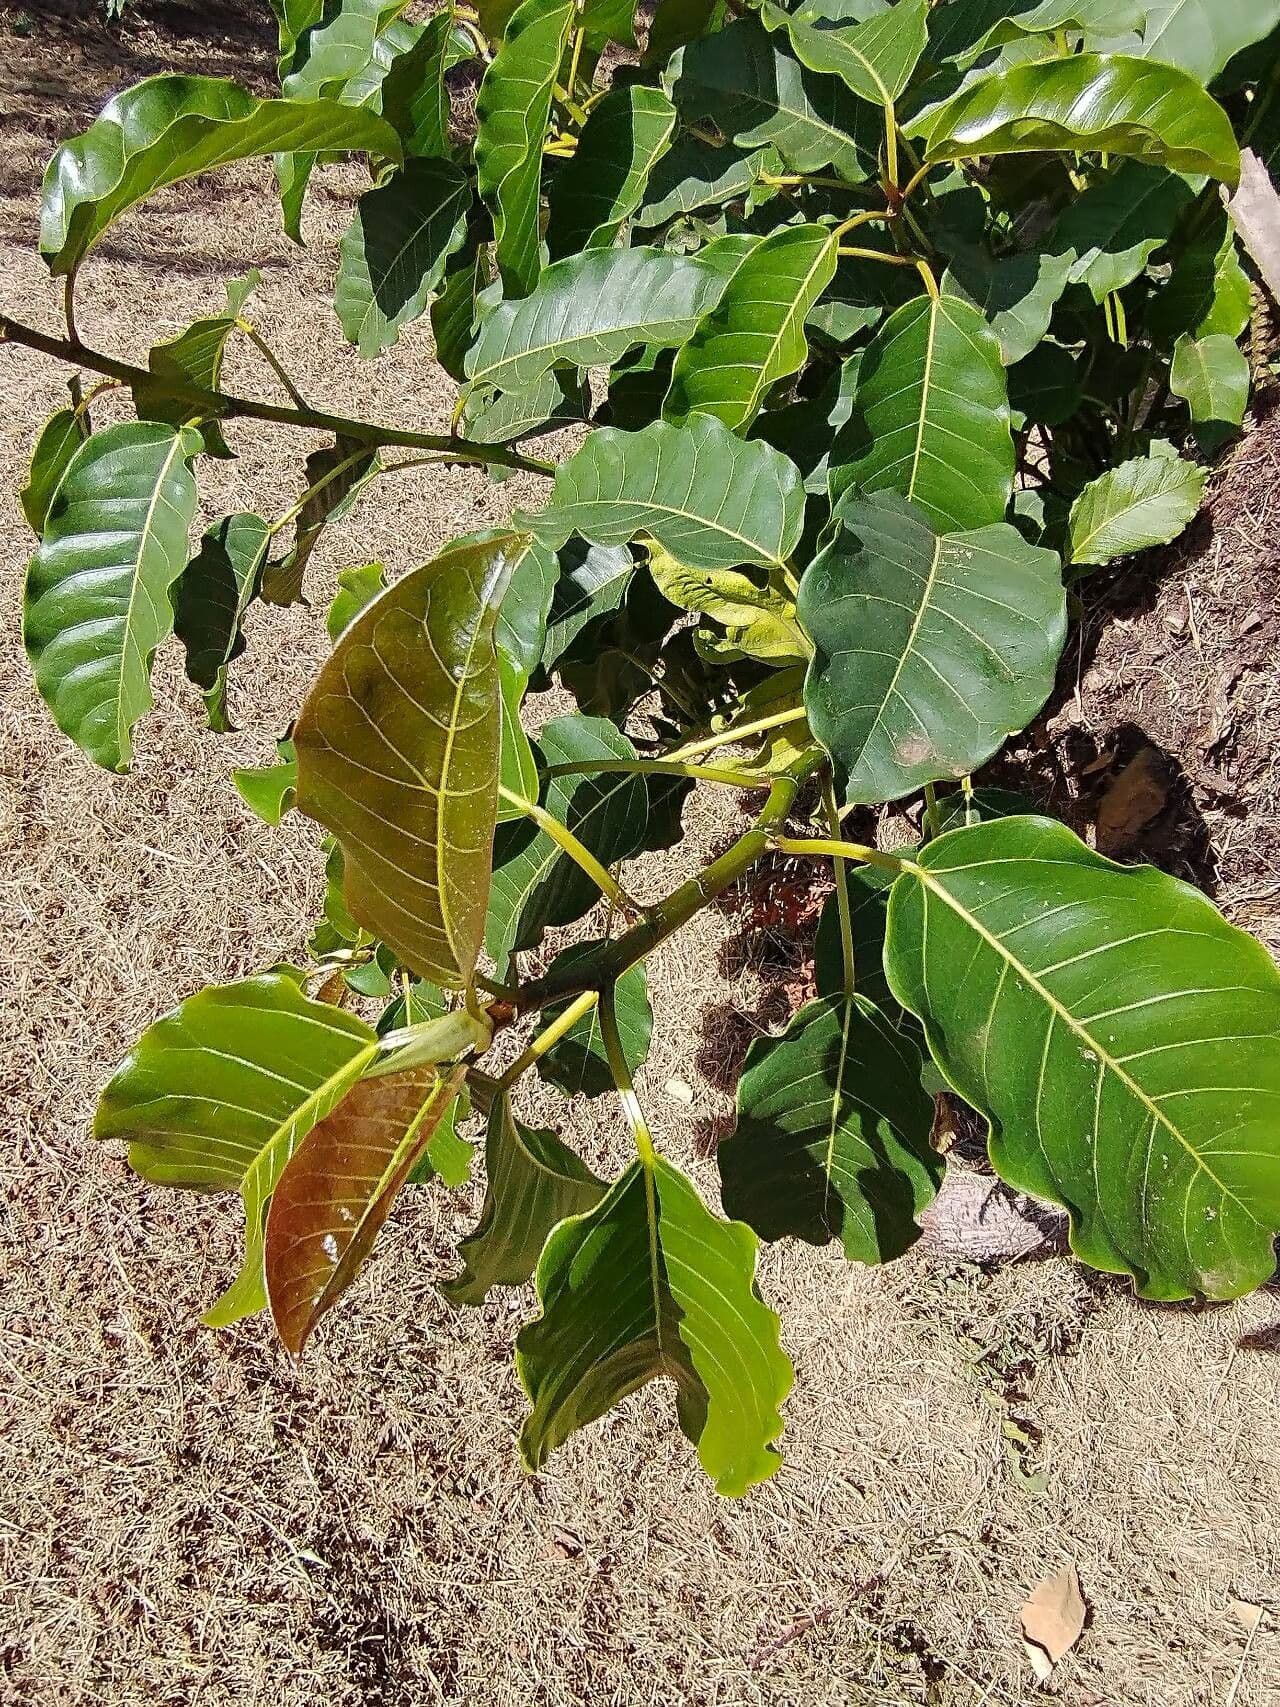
{"points": [[183, 1519]]}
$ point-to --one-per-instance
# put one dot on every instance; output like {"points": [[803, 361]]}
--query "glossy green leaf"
{"points": [[1017, 293], [931, 417], [1208, 289], [592, 581], [929, 650], [757, 612], [1138, 504], [193, 358], [513, 108], [755, 335], [649, 1283], [710, 499], [506, 417], [396, 249], [534, 1181], [60, 438], [740, 81], [590, 309], [832, 1136], [332, 481], [519, 768], [603, 184], [962, 29], [414, 95], [535, 883], [1212, 376], [398, 753], [167, 129], [1120, 1037], [578, 1062], [1087, 103], [97, 594], [270, 790], [696, 174], [1116, 226], [218, 1096], [875, 58], [1202, 35], [339, 48], [453, 312], [338, 1188], [210, 599], [358, 586]]}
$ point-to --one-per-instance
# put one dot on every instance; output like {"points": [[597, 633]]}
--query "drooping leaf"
{"points": [[604, 182], [1120, 1037], [170, 128], [453, 312], [97, 593], [506, 417], [535, 883], [713, 501], [931, 417], [832, 1137], [193, 358], [875, 58], [534, 1181], [1207, 291], [218, 1096], [340, 48], [333, 480], [398, 752], [269, 790], [512, 111], [929, 650], [1138, 504], [592, 581], [757, 612], [358, 586], [1212, 375], [649, 1283], [755, 94], [1017, 293], [335, 1193], [1087, 103], [519, 769], [1202, 35], [60, 439], [414, 95], [578, 1062], [590, 309], [396, 249], [1115, 227], [754, 336], [210, 599]]}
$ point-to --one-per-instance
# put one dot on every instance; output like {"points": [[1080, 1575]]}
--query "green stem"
{"points": [[225, 405], [622, 1079], [832, 812], [931, 809], [273, 362], [565, 839], [823, 847], [740, 732], [549, 1037], [656, 767]]}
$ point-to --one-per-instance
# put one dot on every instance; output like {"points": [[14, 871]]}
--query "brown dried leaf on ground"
{"points": [[1052, 1620], [1130, 800]]}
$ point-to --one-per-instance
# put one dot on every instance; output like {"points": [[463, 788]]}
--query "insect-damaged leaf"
{"points": [[832, 1138], [97, 594], [929, 650], [398, 751], [218, 1095], [1121, 1037], [649, 1283], [338, 1188]]}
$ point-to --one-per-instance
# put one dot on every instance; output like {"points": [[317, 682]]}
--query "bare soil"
{"points": [[185, 1518]]}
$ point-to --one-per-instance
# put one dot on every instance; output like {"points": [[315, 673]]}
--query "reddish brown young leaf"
{"points": [[337, 1191]]}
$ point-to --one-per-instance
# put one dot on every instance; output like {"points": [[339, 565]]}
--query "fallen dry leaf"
{"points": [[1131, 800], [1255, 210], [1052, 1620]]}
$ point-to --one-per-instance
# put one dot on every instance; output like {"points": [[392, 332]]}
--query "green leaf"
{"points": [[269, 790], [505, 417], [210, 599], [167, 129], [334, 477], [578, 1062], [832, 1138], [97, 594], [513, 108], [1047, 386], [740, 81], [337, 1189], [60, 438], [193, 358], [590, 309], [398, 751], [931, 417], [535, 883], [1017, 293], [929, 650], [1208, 289], [357, 587], [760, 618], [1202, 35], [961, 29], [603, 184], [453, 312], [754, 336], [708, 498], [519, 769], [1087, 103], [649, 1283], [1134, 506], [592, 581], [875, 58], [395, 252], [1120, 1037], [868, 890], [1212, 375], [695, 174], [218, 1096], [339, 48], [1115, 227], [414, 94], [677, 22], [534, 1182]]}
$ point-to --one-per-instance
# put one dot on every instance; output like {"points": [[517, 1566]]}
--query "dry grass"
{"points": [[183, 1519]]}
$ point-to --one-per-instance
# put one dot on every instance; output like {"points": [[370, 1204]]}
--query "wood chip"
{"points": [[1052, 1621]]}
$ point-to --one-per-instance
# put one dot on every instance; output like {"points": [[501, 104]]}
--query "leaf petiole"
{"points": [[547, 1039], [622, 1080], [823, 847], [582, 857], [832, 813]]}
